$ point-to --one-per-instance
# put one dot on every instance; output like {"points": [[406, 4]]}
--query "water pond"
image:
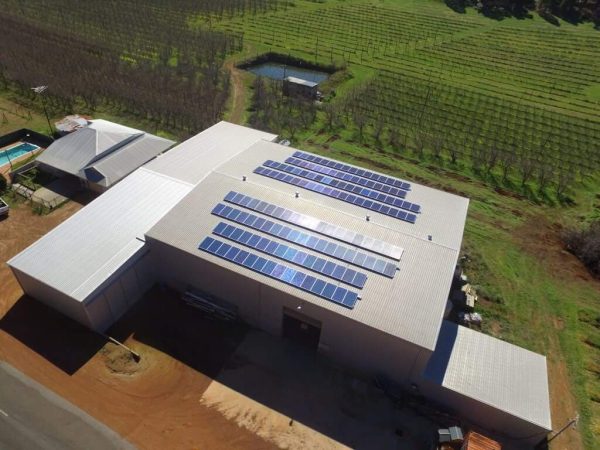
{"points": [[279, 71]]}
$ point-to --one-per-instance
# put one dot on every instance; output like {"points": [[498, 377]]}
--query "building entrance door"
{"points": [[301, 329]]}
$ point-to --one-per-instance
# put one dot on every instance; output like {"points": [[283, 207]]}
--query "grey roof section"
{"points": [[199, 155], [493, 372], [77, 150], [410, 306], [85, 250], [121, 163], [303, 82], [112, 150]]}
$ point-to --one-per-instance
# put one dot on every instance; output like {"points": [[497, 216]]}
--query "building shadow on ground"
{"points": [[62, 341], [283, 376], [164, 322]]}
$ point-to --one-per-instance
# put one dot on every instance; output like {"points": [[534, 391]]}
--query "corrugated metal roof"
{"points": [[75, 151], [82, 252], [199, 155], [410, 306], [301, 81], [111, 150], [493, 372], [121, 163]]}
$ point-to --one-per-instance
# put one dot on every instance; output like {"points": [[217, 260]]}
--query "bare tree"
{"points": [[507, 160], [378, 127], [360, 120], [564, 179], [331, 112], [437, 145], [492, 156], [526, 167], [394, 137], [544, 172]]}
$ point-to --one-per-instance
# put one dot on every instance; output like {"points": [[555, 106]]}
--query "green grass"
{"points": [[523, 84]]}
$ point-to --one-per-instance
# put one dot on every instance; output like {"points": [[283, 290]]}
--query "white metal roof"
{"points": [[410, 306], [199, 155], [301, 81], [82, 252], [93, 145], [493, 372], [132, 155]]}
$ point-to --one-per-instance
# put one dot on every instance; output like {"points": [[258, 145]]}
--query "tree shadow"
{"points": [[458, 6]]}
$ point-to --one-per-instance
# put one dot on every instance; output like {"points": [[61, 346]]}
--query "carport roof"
{"points": [[491, 371]]}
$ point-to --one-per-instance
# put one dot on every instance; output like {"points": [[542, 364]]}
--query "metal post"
{"points": [[573, 422], [40, 90], [8, 157]]}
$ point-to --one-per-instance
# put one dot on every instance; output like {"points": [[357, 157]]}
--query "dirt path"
{"points": [[540, 238], [238, 99]]}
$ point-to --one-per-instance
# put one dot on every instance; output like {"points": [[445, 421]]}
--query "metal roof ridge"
{"points": [[162, 175]]}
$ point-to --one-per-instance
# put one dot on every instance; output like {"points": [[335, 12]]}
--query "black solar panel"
{"points": [[316, 225], [290, 254], [348, 187], [353, 170], [281, 272], [396, 192], [334, 193], [312, 242]]}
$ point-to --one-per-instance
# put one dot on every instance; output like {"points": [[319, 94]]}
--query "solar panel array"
{"points": [[312, 242], [354, 170], [334, 193], [316, 225], [358, 190], [281, 272], [396, 192], [290, 254]]}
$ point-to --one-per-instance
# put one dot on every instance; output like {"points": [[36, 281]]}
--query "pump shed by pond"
{"points": [[293, 87]]}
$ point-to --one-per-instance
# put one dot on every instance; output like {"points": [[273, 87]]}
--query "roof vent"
{"points": [[368, 218], [297, 194], [243, 177], [429, 237]]}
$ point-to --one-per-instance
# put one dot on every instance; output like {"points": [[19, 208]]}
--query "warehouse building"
{"points": [[355, 263]]}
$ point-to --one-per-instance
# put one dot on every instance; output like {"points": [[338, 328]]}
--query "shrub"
{"points": [[585, 244]]}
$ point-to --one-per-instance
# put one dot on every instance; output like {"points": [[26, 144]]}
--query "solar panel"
{"points": [[290, 254], [338, 184], [312, 242], [396, 192], [334, 193], [353, 170], [283, 273], [318, 226]]}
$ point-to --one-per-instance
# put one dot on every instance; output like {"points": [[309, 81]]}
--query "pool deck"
{"points": [[6, 168]]}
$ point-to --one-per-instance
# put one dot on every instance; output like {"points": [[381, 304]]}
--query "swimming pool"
{"points": [[16, 151]]}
